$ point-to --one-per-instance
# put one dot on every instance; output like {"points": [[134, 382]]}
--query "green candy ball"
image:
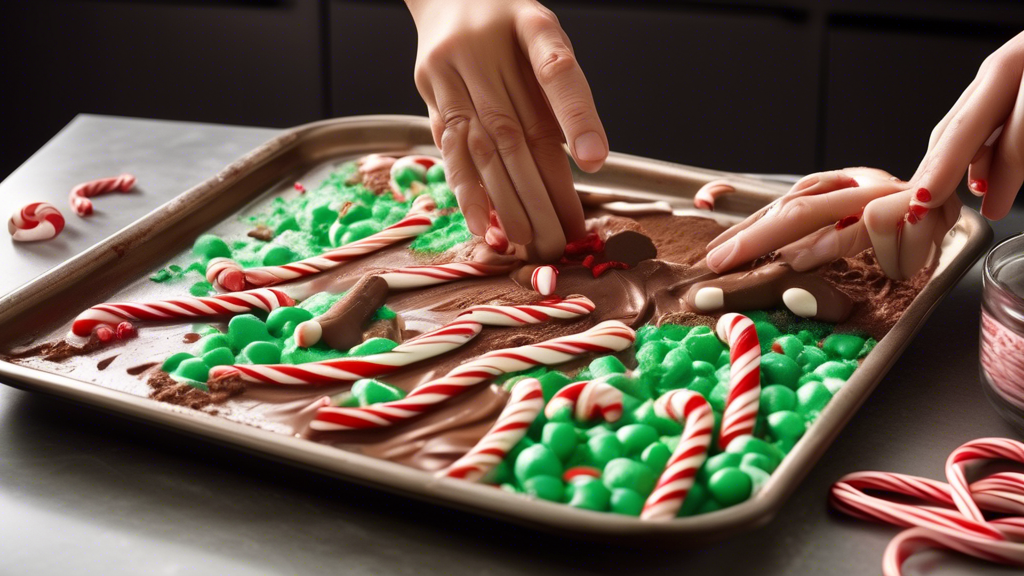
{"points": [[260, 353], [636, 437], [843, 346], [360, 230], [766, 334], [209, 246], [645, 414], [373, 346], [748, 444], [172, 363], [323, 214], [355, 213], [718, 462], [703, 346], [211, 342], [219, 357], [604, 449], [702, 385], [694, 500], [633, 387], [645, 334], [780, 369], [730, 486], [811, 398], [369, 391], [406, 176], [280, 317], [756, 460], [652, 353], [276, 255], [552, 382], [836, 369], [718, 396], [678, 367], [758, 477], [606, 365], [435, 174], [786, 425], [536, 460], [192, 369], [673, 332], [776, 397], [706, 369], [627, 473], [656, 456], [789, 345], [245, 329], [560, 438], [544, 487], [588, 493], [626, 501], [289, 223]]}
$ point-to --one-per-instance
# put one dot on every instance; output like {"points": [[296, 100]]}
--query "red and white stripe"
{"points": [[951, 515], [704, 199], [420, 276], [1002, 360], [588, 401], [524, 404], [464, 328], [544, 280], [226, 274], [741, 405], [113, 313], [607, 337], [35, 221], [79, 196], [692, 411], [409, 227], [420, 164]]}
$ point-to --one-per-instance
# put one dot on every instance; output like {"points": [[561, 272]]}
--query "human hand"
{"points": [[502, 87], [830, 215]]}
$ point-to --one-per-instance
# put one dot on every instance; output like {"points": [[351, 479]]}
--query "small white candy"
{"points": [[544, 279], [308, 333], [638, 208], [800, 302], [709, 298]]}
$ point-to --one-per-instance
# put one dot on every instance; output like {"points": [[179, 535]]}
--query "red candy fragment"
{"points": [[580, 472], [126, 330], [300, 187], [589, 244], [105, 334], [599, 269], [589, 261], [777, 348]]}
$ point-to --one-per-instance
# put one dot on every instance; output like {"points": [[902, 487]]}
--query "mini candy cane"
{"points": [[524, 404], [741, 405], [35, 221], [111, 314], [692, 411], [607, 337], [464, 328], [405, 229], [225, 273], [934, 525], [419, 164], [420, 276], [80, 194], [588, 400], [543, 279], [704, 199]]}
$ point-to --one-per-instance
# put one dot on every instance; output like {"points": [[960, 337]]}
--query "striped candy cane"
{"points": [[704, 199], [464, 328], [587, 400], [420, 276], [113, 313], [409, 227], [36, 221], [610, 336], [544, 280], [79, 196], [741, 405], [524, 404], [692, 411], [936, 524]]}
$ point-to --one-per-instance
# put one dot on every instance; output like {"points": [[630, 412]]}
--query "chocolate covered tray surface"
{"points": [[118, 267]]}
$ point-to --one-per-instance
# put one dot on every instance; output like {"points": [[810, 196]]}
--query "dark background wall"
{"points": [[757, 85]]}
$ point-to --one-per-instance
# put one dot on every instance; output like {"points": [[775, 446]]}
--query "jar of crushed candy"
{"points": [[1002, 328]]}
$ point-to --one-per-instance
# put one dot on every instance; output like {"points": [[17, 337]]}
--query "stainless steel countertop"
{"points": [[82, 491]]}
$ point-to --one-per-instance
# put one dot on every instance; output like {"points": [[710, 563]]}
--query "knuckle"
{"points": [[555, 64], [543, 133], [480, 145], [796, 209], [505, 130]]}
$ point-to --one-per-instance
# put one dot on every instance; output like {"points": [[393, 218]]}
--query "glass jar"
{"points": [[1002, 328]]}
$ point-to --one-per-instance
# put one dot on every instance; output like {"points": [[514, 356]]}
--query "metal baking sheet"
{"points": [[48, 304]]}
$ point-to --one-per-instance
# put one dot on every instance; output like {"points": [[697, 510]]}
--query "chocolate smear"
{"points": [[629, 247], [343, 324]]}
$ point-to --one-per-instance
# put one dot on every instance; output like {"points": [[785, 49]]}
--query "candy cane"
{"points": [[420, 276], [741, 405], [704, 199], [544, 279], [464, 328], [607, 337], [419, 164], [587, 401], [524, 404], [79, 196], [225, 273], [1002, 360], [112, 313], [35, 221], [935, 525], [692, 411]]}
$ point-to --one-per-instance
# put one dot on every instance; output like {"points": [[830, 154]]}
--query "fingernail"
{"points": [[476, 219], [916, 214], [590, 147], [980, 185], [848, 221], [719, 257], [923, 195]]}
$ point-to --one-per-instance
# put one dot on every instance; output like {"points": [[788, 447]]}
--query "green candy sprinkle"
{"points": [[260, 353], [780, 369], [287, 224], [560, 438], [844, 346], [636, 437], [786, 425], [626, 501], [627, 473], [537, 460], [280, 317], [730, 486], [435, 174], [245, 329], [604, 449], [209, 247], [369, 391], [162, 275], [588, 493], [776, 397], [545, 488], [200, 289], [172, 363], [373, 346], [656, 456], [219, 357]]}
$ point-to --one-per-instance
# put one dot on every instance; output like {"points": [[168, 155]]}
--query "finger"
{"points": [[436, 125], [794, 218], [885, 218], [917, 241], [565, 86], [544, 139], [940, 128], [950, 213], [848, 237], [944, 165], [1006, 172], [978, 172], [456, 114], [500, 120]]}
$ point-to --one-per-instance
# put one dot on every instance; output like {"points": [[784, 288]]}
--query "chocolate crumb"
{"points": [[190, 338], [261, 233], [166, 389]]}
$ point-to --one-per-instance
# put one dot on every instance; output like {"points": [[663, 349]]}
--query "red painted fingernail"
{"points": [[911, 218], [980, 185], [919, 211], [852, 183], [848, 221], [923, 195]]}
